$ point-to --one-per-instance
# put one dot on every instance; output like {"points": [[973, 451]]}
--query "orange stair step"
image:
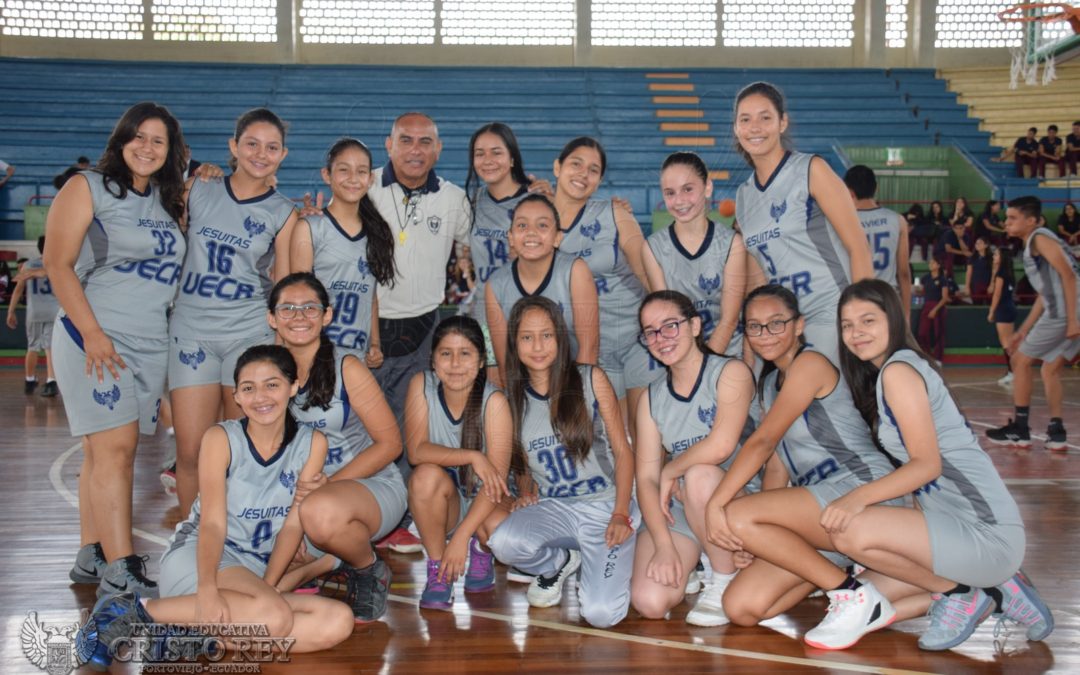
{"points": [[720, 174], [693, 114], [670, 86], [684, 126], [667, 76], [690, 140], [687, 100]]}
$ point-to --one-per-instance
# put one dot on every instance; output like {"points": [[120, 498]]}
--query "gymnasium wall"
{"points": [[643, 33]]}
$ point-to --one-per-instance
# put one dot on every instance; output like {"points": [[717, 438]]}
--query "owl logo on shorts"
{"points": [[708, 285], [192, 359], [109, 398], [778, 210], [591, 231], [253, 227], [288, 480], [707, 415], [363, 267]]}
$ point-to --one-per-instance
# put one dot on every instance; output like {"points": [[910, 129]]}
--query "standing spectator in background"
{"points": [[461, 279], [937, 291], [1068, 227], [989, 223], [953, 246], [427, 215], [41, 307], [1025, 152], [979, 272], [1051, 151], [190, 165], [920, 230], [1003, 307], [1072, 148], [7, 170]]}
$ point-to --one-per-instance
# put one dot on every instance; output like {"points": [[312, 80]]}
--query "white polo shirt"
{"points": [[425, 226]]}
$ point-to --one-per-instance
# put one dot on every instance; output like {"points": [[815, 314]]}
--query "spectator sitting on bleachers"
{"points": [[938, 221], [1025, 152], [979, 272], [1068, 227], [953, 246], [1072, 149], [921, 230], [1051, 151], [989, 224]]}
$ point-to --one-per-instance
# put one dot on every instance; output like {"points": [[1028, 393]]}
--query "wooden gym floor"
{"points": [[497, 632]]}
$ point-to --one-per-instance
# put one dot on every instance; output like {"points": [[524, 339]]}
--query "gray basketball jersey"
{"points": [[346, 436], [507, 288], [556, 473], [882, 228], [226, 274], [444, 429], [341, 263], [683, 421], [699, 276], [487, 241], [594, 237], [789, 236], [1044, 278], [41, 304], [130, 260], [969, 486], [258, 492], [830, 442]]}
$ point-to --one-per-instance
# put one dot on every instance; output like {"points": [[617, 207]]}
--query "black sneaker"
{"points": [[127, 575], [1055, 436], [1011, 434], [29, 387], [366, 591], [49, 390]]}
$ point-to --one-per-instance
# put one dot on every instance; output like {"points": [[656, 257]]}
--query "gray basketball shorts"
{"points": [[194, 362], [974, 553], [179, 567], [93, 406], [39, 335], [1046, 341], [393, 499]]}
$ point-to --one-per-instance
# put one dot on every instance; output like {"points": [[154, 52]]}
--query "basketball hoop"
{"points": [[1025, 59]]}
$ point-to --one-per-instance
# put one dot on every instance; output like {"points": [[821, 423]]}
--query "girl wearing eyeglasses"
{"points": [[689, 426], [458, 435], [796, 216], [350, 249], [540, 269], [704, 260], [359, 496], [569, 435], [238, 240], [811, 434]]}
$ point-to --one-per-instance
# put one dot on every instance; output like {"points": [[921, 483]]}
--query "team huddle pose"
{"points": [[615, 409]]}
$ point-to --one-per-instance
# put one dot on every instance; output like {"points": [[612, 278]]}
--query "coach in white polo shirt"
{"points": [[426, 215]]}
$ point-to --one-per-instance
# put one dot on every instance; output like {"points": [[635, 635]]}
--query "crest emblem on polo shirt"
{"points": [[434, 223]]}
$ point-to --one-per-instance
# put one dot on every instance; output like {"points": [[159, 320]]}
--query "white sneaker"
{"points": [[547, 591], [709, 610], [851, 615], [693, 583], [1006, 381]]}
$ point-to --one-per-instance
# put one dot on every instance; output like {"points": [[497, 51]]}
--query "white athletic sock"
{"points": [[32, 379]]}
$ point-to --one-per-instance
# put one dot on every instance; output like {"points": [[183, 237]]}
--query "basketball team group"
{"points": [[738, 413]]}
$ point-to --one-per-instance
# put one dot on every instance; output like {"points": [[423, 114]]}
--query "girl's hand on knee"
{"points": [[210, 606], [718, 530], [666, 567], [453, 560], [494, 482], [838, 515], [525, 500], [306, 487], [618, 530], [742, 559]]}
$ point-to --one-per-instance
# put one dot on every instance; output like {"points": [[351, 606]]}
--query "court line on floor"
{"points": [[1035, 436], [1002, 390], [56, 478]]}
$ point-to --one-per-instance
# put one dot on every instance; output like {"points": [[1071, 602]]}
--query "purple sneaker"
{"points": [[437, 594], [480, 576]]}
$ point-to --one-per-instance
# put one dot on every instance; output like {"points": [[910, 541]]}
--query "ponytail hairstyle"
{"points": [[686, 310], [517, 165], [380, 244], [690, 159], [169, 179], [776, 97], [280, 358], [570, 418], [322, 378], [862, 375], [472, 418], [254, 116], [789, 300]]}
